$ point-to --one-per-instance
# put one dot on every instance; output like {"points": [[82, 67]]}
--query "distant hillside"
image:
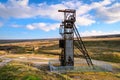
{"points": [[104, 36], [26, 40]]}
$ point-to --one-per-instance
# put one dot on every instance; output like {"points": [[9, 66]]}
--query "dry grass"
{"points": [[93, 76], [3, 52], [29, 56], [50, 49], [22, 71], [1, 60], [33, 43], [100, 39]]}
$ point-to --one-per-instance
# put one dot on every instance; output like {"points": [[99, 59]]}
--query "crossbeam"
{"points": [[67, 10]]}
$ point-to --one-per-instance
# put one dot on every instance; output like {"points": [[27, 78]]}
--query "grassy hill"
{"points": [[105, 48], [99, 47]]}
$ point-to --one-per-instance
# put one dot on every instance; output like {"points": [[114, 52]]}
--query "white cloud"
{"points": [[1, 24], [21, 9], [101, 3], [97, 33], [31, 27], [43, 26], [106, 11], [85, 20], [18, 2], [109, 14]]}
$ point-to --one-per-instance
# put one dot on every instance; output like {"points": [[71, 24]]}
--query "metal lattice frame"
{"points": [[67, 31]]}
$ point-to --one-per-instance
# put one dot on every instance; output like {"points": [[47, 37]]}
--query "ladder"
{"points": [[81, 47]]}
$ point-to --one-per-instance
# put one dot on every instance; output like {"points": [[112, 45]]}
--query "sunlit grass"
{"points": [[2, 52], [106, 50], [93, 76], [24, 71], [107, 57], [1, 60]]}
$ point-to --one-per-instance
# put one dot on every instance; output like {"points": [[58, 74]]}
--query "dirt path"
{"points": [[4, 62], [38, 61]]}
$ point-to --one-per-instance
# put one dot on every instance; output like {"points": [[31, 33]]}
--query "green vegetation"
{"points": [[31, 77], [107, 57], [22, 71], [93, 76], [13, 49], [104, 50], [0, 60], [97, 47], [2, 53]]}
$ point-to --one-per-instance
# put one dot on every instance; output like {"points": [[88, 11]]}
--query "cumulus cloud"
{"points": [[18, 2], [97, 33], [21, 9], [84, 20], [43, 26], [15, 8], [109, 14], [105, 10], [101, 3]]}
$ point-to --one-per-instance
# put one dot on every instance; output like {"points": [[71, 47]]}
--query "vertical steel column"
{"points": [[67, 42], [67, 30]]}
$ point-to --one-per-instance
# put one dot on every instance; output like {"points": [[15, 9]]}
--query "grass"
{"points": [[93, 76], [98, 49], [107, 57], [22, 71], [2, 53], [103, 46], [1, 60], [106, 50]]}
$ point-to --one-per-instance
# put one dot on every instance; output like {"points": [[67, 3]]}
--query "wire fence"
{"points": [[79, 66]]}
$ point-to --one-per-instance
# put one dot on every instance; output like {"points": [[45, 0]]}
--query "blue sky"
{"points": [[37, 19]]}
